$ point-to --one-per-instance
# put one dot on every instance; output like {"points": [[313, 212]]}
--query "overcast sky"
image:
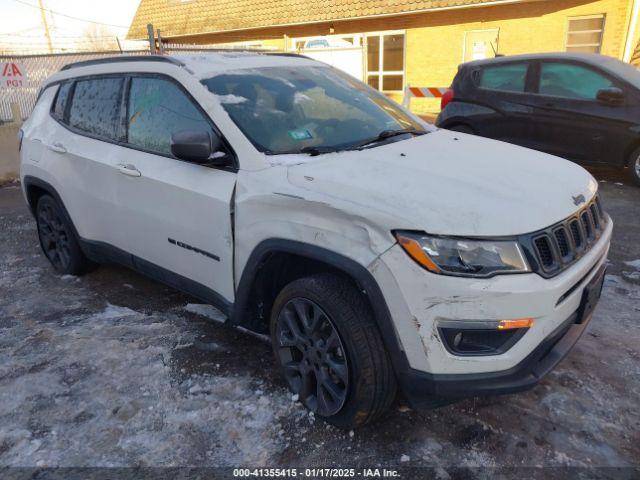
{"points": [[21, 23]]}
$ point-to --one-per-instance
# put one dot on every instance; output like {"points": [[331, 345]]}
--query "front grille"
{"points": [[545, 254], [576, 233], [563, 241], [557, 247]]}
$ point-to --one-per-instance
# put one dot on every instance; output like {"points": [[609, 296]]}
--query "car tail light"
{"points": [[20, 136], [446, 98]]}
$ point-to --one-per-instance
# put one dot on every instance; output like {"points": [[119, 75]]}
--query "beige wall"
{"points": [[9, 161]]}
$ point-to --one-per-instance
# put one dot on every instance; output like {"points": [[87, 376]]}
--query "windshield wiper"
{"points": [[318, 150], [383, 135]]}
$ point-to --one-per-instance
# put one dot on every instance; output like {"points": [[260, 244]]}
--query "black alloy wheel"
{"points": [[54, 236], [312, 356], [58, 240]]}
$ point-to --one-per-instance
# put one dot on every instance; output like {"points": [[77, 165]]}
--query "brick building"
{"points": [[392, 43]]}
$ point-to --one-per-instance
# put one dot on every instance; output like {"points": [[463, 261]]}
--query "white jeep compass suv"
{"points": [[379, 252]]}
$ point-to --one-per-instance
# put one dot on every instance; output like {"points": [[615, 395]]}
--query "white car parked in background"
{"points": [[378, 251]]}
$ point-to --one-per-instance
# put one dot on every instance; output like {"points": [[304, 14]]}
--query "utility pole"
{"points": [[46, 26], [152, 39], [160, 44]]}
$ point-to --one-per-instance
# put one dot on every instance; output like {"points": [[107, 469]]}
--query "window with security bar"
{"points": [[584, 34]]}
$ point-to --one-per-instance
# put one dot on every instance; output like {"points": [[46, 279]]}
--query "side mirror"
{"points": [[610, 96], [198, 146]]}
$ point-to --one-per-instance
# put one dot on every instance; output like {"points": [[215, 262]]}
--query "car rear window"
{"points": [[509, 78], [95, 107], [61, 100]]}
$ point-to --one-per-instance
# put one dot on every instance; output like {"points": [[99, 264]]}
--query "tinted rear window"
{"points": [[510, 78], [61, 100], [95, 107]]}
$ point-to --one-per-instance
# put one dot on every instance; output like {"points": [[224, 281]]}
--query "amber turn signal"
{"points": [[415, 251], [513, 324]]}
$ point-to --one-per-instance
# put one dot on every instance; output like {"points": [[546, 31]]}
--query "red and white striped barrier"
{"points": [[422, 92]]}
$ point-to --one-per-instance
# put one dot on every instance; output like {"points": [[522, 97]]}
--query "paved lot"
{"points": [[112, 369]]}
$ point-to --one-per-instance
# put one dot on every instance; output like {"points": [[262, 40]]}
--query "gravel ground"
{"points": [[112, 369]]}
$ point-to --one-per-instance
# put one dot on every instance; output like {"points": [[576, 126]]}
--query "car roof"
{"points": [[609, 64], [202, 65]]}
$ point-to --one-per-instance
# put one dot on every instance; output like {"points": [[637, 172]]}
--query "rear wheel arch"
{"points": [[632, 162], [629, 156], [35, 188]]}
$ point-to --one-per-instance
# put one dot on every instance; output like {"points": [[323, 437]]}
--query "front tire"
{"points": [[330, 351], [58, 240], [634, 167]]}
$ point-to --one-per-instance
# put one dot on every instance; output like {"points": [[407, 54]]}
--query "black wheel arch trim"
{"points": [[30, 181], [358, 273]]}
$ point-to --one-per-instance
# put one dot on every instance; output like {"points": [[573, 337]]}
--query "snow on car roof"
{"points": [[210, 64]]}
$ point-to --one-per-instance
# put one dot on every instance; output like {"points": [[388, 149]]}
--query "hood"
{"points": [[450, 183]]}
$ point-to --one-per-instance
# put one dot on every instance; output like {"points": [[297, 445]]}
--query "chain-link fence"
{"points": [[35, 69]]}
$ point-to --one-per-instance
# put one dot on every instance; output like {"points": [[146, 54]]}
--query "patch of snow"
{"points": [[230, 99], [619, 184], [113, 311], [209, 311], [405, 458], [69, 278], [634, 263], [301, 97], [632, 275]]}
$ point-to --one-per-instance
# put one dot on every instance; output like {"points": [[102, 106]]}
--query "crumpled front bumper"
{"points": [[424, 390], [419, 301]]}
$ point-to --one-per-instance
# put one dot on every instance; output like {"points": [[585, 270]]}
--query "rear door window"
{"points": [[570, 80], [95, 107], [509, 78], [158, 108], [61, 100]]}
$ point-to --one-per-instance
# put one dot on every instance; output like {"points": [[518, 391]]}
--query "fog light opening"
{"points": [[468, 338]]}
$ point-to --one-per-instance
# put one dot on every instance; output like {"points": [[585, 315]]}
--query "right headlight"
{"points": [[463, 257]]}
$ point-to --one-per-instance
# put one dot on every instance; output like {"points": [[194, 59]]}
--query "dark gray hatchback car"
{"points": [[583, 107]]}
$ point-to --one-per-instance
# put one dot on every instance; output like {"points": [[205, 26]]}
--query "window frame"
{"points": [[529, 79], [538, 76], [67, 104], [124, 101], [380, 73], [603, 16]]}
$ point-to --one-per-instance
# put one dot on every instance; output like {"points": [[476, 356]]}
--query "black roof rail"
{"points": [[288, 54], [130, 58]]}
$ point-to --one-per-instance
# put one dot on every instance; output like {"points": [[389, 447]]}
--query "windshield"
{"points": [[288, 109]]}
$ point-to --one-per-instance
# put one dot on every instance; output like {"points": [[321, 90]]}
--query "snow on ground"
{"points": [[112, 369], [635, 264]]}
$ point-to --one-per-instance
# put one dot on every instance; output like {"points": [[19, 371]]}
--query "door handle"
{"points": [[129, 170], [57, 147]]}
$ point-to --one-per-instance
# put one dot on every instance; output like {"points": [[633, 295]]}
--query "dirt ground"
{"points": [[114, 370]]}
